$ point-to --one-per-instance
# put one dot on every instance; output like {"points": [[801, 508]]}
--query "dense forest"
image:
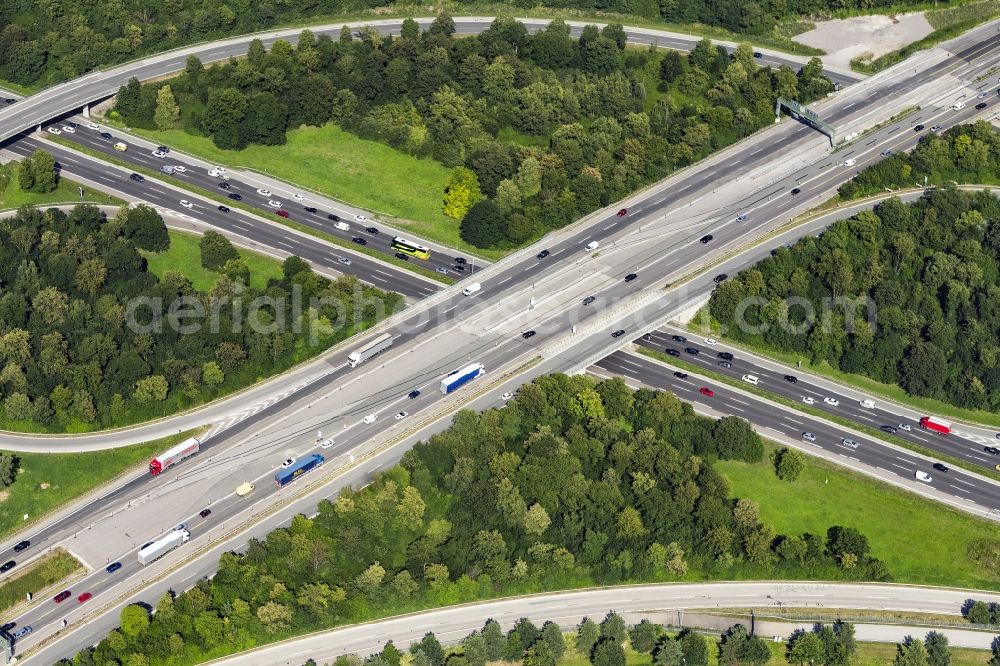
{"points": [[962, 154], [539, 129], [574, 483], [46, 41], [80, 346], [917, 298]]}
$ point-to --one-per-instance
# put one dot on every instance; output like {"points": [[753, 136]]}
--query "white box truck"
{"points": [[376, 346]]}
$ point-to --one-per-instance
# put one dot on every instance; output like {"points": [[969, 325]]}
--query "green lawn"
{"points": [[338, 164], [185, 256], [921, 541], [12, 196], [42, 573], [46, 481]]}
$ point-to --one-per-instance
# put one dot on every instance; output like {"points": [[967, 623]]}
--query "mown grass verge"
{"points": [[184, 256], [67, 191]]}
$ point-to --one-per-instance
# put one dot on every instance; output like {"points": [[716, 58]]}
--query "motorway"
{"points": [[64, 98], [666, 603], [487, 327], [962, 490]]}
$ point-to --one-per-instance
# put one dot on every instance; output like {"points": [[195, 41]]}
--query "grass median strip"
{"points": [[214, 196], [67, 191], [37, 577], [813, 411]]}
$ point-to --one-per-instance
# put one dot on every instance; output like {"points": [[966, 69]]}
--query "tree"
{"points": [[145, 228], [694, 647], [134, 620], [607, 652], [151, 389], [978, 612], [430, 646], [938, 653], [8, 469], [805, 648], [643, 636], [216, 250], [613, 627], [537, 520], [167, 112], [788, 464], [212, 374], [911, 652], [587, 633], [37, 173], [128, 99], [739, 647], [484, 225], [461, 193], [274, 616], [672, 66]]}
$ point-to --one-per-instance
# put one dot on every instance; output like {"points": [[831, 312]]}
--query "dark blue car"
{"points": [[113, 567]]}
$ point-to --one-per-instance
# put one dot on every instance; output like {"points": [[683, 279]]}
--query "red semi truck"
{"points": [[172, 456], [937, 425]]}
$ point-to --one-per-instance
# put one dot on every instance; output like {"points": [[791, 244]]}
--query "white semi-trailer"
{"points": [[162, 546]]}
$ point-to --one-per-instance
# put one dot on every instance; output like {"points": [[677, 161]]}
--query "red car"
{"points": [[86, 596], [62, 596], [704, 390], [622, 212], [281, 213]]}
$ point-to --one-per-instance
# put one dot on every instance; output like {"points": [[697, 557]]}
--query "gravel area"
{"points": [[845, 39]]}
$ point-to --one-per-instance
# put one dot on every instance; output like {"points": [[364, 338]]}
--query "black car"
{"points": [[224, 185], [726, 356], [981, 106], [680, 375], [721, 277], [204, 513], [106, 136], [941, 468], [235, 197], [137, 178], [791, 378], [918, 128], [648, 336], [404, 257], [630, 277], [678, 338], [543, 254], [359, 240], [888, 428], [7, 566], [460, 260], [589, 300], [617, 334], [372, 230], [224, 209], [707, 238], [413, 394], [335, 218], [21, 545], [758, 54], [527, 334], [692, 350], [795, 191], [673, 352], [458, 267], [992, 450], [113, 567], [163, 149], [309, 209]]}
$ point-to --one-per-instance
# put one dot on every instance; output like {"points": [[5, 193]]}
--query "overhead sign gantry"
{"points": [[806, 115]]}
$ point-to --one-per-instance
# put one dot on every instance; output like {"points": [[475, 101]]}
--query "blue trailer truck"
{"points": [[284, 476], [459, 378]]}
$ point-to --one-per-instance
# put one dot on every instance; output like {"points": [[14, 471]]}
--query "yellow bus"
{"points": [[400, 244]]}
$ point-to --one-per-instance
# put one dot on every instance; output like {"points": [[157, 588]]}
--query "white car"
{"points": [[298, 197], [69, 129], [711, 341], [326, 444], [158, 153], [507, 396], [53, 130], [983, 95], [214, 173], [288, 463], [370, 419], [262, 192], [868, 403], [93, 126], [360, 218], [402, 415], [345, 261], [923, 476], [221, 170], [808, 400], [180, 169], [809, 437], [833, 402], [958, 106], [851, 162], [905, 426], [186, 203], [274, 203]]}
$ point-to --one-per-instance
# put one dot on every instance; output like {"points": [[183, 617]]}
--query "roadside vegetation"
{"points": [[510, 134], [36, 484], [575, 483], [184, 257], [88, 339], [923, 272], [58, 190], [47, 570]]}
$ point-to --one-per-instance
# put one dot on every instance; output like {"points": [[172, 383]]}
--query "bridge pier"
{"points": [[86, 111]]}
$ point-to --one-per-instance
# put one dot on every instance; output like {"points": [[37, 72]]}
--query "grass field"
{"points": [[46, 481], [12, 196], [185, 256], [920, 541], [42, 573]]}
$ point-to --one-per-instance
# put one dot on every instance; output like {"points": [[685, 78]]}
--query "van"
{"points": [[167, 169], [370, 419], [923, 476], [343, 226], [751, 379], [868, 403], [592, 245], [121, 147], [244, 489], [472, 288], [958, 106]]}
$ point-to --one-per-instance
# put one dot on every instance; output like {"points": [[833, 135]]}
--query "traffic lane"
{"points": [[846, 407], [236, 222], [829, 437], [198, 176]]}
